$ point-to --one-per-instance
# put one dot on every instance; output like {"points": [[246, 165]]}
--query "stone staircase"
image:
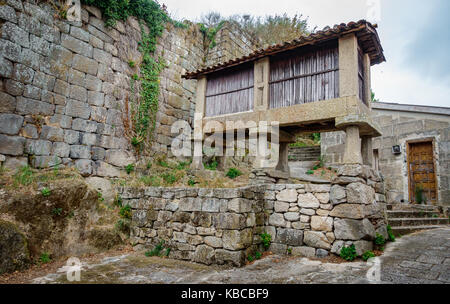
{"points": [[304, 154], [302, 159], [406, 218]]}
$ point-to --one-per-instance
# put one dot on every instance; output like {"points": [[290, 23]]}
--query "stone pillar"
{"points": [[261, 96], [367, 80], [283, 158], [348, 66], [197, 162], [352, 152], [366, 150]]}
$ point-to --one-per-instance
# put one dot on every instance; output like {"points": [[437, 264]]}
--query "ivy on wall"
{"points": [[155, 17]]}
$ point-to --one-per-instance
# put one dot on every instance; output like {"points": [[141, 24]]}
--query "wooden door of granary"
{"points": [[422, 172]]}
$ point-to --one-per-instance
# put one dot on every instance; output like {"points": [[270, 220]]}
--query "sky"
{"points": [[413, 33]]}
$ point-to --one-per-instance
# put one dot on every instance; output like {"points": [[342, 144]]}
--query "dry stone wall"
{"points": [[66, 87], [224, 225]]}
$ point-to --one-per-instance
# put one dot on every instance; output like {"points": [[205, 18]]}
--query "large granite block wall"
{"points": [[64, 86]]}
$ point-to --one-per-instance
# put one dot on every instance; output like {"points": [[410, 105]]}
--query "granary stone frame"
{"points": [[327, 93]]}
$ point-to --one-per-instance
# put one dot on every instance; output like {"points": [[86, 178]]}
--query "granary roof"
{"points": [[365, 31]]}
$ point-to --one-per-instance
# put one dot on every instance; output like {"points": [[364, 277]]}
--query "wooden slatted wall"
{"points": [[304, 77], [230, 92], [361, 76]]}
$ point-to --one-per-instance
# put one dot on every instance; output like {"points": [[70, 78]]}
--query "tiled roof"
{"points": [[365, 31]]}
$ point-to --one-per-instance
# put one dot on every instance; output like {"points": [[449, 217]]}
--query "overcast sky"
{"points": [[413, 33]]}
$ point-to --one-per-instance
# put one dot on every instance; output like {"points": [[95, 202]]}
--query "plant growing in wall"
{"points": [[266, 240], [150, 13], [348, 253]]}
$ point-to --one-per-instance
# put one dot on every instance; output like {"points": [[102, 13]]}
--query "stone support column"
{"points": [[352, 152], [197, 162], [366, 150], [283, 158]]}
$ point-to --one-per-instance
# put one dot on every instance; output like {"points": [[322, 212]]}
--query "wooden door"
{"points": [[422, 173]]}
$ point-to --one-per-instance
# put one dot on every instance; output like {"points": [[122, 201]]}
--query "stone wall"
{"points": [[65, 86], [223, 225], [400, 125], [200, 225]]}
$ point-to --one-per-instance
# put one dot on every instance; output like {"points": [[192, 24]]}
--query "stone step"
{"points": [[410, 229], [410, 214], [413, 207], [413, 222]]}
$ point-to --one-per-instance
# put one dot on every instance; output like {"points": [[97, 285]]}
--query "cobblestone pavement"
{"points": [[419, 258], [423, 257]]}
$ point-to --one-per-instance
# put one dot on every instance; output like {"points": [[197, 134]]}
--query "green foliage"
{"points": [[316, 137], [156, 251], [125, 212], [24, 176], [191, 182], [167, 252], [182, 165], [45, 258], [163, 163], [100, 197], [211, 165], [150, 13], [131, 63], [57, 211], [268, 30], [321, 161], [118, 201], [298, 144], [266, 240], [258, 255], [391, 235], [233, 173], [123, 225], [149, 165], [310, 172], [289, 250], [169, 178], [367, 255], [135, 77], [250, 258], [153, 181], [372, 97], [135, 141], [129, 168], [315, 168], [209, 33], [46, 192], [348, 253], [379, 239]]}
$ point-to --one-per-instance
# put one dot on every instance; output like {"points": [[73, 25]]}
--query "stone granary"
{"points": [[316, 83]]}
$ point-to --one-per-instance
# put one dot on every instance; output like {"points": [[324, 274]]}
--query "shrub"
{"points": [[266, 239], [156, 251], [258, 255], [57, 211], [24, 176], [379, 239], [46, 192], [212, 165], [390, 233], [45, 258], [233, 173], [123, 225], [367, 255], [250, 258], [169, 178], [348, 253], [129, 168], [125, 212], [310, 172]]}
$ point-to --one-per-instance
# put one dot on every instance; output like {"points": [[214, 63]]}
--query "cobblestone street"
{"points": [[423, 257]]}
